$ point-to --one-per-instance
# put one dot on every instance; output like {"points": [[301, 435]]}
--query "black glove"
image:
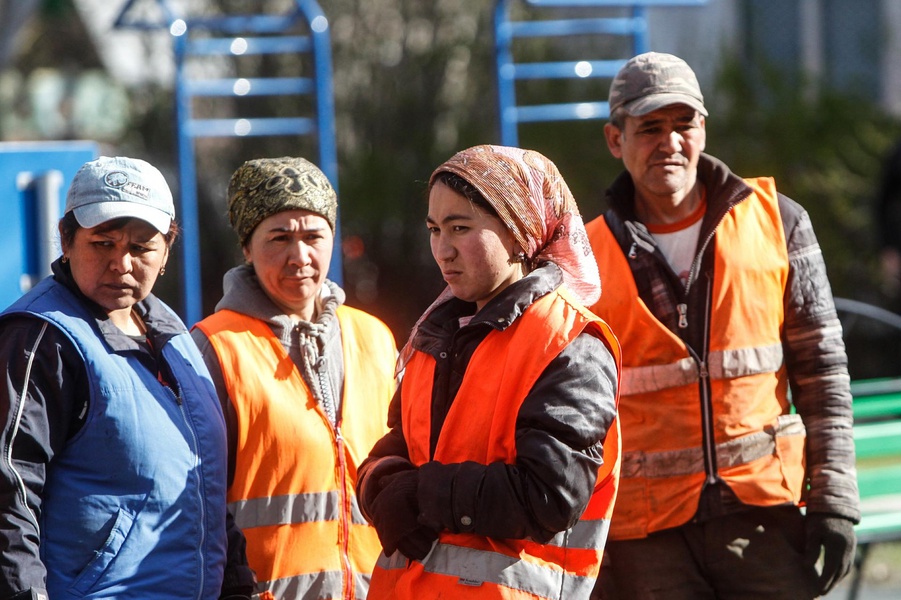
{"points": [[835, 535], [395, 515], [370, 475]]}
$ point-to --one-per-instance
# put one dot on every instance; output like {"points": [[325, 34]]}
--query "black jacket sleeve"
{"points": [[560, 431], [818, 371], [42, 402]]}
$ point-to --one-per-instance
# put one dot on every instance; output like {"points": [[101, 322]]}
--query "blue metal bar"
{"points": [[240, 23], [508, 72], [506, 87], [224, 36], [640, 43], [571, 111], [192, 288], [581, 69], [123, 21], [325, 112], [249, 127], [245, 46], [271, 86], [586, 26]]}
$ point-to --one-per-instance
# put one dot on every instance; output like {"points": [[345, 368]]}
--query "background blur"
{"points": [[808, 91]]}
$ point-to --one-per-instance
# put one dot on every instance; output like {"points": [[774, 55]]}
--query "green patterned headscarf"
{"points": [[263, 187]]}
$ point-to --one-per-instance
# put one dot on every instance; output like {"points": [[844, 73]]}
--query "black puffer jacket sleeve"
{"points": [[818, 370]]}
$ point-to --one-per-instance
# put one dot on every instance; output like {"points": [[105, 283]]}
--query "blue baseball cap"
{"points": [[114, 187]]}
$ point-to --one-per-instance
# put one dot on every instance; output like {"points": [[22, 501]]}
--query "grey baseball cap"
{"points": [[653, 80], [114, 187]]}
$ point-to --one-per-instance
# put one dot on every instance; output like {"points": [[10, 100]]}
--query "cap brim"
{"points": [[92, 215], [648, 104]]}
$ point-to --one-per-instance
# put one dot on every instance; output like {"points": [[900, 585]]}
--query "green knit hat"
{"points": [[263, 187]]}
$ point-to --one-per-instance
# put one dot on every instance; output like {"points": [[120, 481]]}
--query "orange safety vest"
{"points": [[481, 427], [293, 492], [759, 446]]}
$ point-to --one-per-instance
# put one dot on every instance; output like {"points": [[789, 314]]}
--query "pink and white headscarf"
{"points": [[532, 199]]}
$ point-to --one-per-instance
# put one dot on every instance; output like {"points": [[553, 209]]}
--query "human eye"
{"points": [[648, 130]]}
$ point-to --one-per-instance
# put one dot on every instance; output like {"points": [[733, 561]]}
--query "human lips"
{"points": [[119, 286], [451, 275]]}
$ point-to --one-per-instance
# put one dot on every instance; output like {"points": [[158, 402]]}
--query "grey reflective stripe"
{"points": [[324, 584], [390, 563], [735, 452], [723, 364], [741, 362], [641, 380], [288, 509], [584, 535], [474, 567]]}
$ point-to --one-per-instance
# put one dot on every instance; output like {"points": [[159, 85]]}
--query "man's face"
{"points": [[660, 150]]}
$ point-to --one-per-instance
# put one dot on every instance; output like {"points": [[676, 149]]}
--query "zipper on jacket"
{"points": [[683, 315], [199, 488], [345, 518], [706, 405]]}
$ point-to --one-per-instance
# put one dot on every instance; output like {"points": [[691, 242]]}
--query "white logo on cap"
{"points": [[116, 179]]}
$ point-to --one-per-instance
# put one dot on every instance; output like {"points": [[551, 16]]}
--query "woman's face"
{"points": [[472, 248], [117, 267], [290, 252]]}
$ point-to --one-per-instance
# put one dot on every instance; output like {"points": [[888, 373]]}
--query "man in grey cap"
{"points": [[735, 403]]}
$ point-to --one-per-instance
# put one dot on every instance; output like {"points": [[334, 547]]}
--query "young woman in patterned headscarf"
{"points": [[305, 383], [498, 477]]}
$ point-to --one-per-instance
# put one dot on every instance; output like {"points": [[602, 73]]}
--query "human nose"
{"points": [[672, 142], [442, 249], [299, 254], [121, 262]]}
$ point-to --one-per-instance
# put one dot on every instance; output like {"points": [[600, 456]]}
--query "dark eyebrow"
{"points": [[279, 229], [687, 116], [449, 218]]}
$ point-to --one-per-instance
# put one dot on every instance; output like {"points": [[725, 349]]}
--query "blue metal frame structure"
{"points": [[508, 71], [232, 36]]}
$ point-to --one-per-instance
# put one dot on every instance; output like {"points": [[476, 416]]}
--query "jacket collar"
{"points": [[161, 323], [724, 190], [499, 313]]}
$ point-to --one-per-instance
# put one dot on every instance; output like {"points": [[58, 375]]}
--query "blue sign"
{"points": [[34, 178]]}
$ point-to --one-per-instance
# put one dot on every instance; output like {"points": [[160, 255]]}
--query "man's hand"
{"points": [[395, 515], [835, 535]]}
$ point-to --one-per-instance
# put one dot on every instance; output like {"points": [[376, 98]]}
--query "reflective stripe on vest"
{"points": [[674, 463], [741, 385], [500, 374], [508, 572], [294, 508], [316, 585], [722, 364], [537, 578]]}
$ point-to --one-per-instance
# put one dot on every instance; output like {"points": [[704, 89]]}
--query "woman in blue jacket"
{"points": [[112, 477]]}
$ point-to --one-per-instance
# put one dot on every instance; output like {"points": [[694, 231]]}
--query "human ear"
{"points": [[613, 135]]}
